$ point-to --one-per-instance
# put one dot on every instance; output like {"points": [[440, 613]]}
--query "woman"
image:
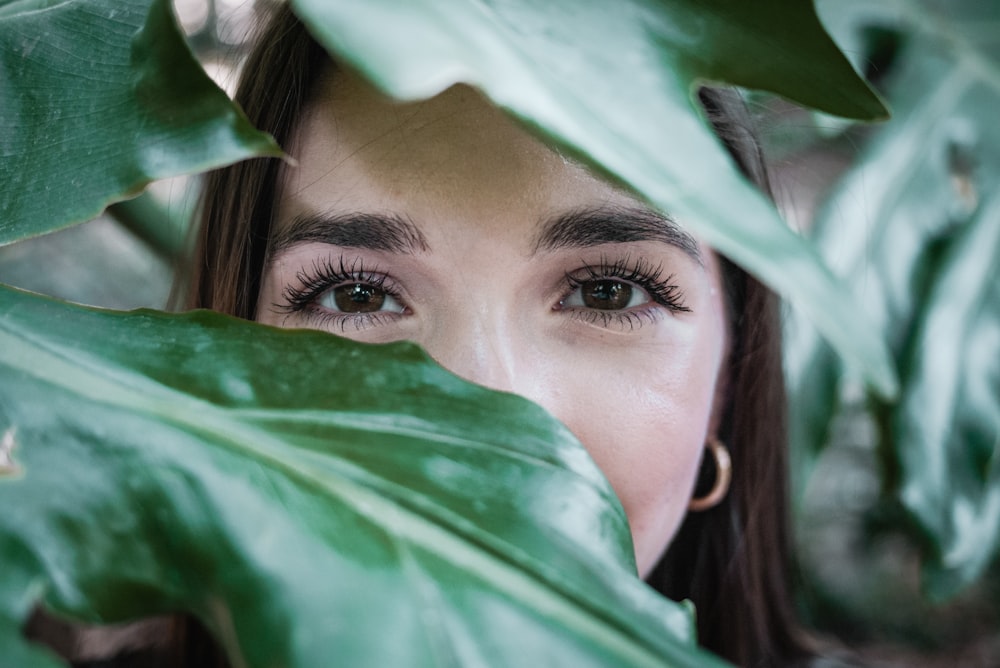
{"points": [[445, 223]]}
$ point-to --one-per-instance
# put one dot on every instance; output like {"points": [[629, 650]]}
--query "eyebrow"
{"points": [[583, 228], [373, 231]]}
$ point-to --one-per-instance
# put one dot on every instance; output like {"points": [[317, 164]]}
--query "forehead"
{"points": [[454, 158]]}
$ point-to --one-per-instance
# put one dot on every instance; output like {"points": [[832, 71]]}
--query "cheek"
{"points": [[644, 421]]}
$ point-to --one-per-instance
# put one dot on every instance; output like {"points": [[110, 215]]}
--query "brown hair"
{"points": [[732, 561]]}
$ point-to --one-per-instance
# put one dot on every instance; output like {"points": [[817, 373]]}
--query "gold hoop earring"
{"points": [[723, 476]]}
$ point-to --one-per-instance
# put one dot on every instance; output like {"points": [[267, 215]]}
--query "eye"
{"points": [[620, 285], [341, 293], [621, 293], [354, 298], [606, 294]]}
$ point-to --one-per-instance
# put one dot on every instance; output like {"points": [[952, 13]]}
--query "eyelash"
{"points": [[324, 275], [661, 290]]}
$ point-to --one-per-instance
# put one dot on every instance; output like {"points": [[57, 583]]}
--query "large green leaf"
{"points": [[916, 226], [306, 496], [614, 82], [97, 99]]}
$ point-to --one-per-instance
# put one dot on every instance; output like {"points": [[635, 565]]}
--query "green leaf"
{"points": [[304, 495], [916, 227], [614, 83], [947, 427], [99, 99]]}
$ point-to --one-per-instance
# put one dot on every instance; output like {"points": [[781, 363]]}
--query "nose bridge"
{"points": [[479, 345]]}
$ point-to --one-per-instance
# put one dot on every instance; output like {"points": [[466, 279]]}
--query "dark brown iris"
{"points": [[358, 298], [606, 295]]}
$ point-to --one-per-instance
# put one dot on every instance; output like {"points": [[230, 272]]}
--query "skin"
{"points": [[636, 384]]}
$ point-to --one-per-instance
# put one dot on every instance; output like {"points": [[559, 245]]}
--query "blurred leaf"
{"points": [[947, 427], [813, 376], [304, 495], [614, 83], [159, 226], [862, 29], [916, 227], [99, 99]]}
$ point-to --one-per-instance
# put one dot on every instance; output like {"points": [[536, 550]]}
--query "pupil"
{"points": [[358, 298], [606, 295]]}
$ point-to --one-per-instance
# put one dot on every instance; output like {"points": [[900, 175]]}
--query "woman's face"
{"points": [[446, 224]]}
